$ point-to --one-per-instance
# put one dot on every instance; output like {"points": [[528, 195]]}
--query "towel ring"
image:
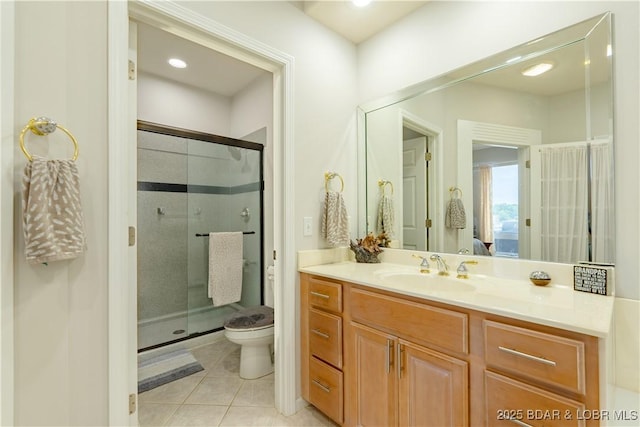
{"points": [[328, 176], [453, 190], [44, 126], [383, 184]]}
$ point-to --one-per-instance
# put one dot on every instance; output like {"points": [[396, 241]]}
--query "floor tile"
{"points": [[259, 392], [155, 414], [173, 392], [308, 417], [198, 415], [246, 416], [215, 391], [227, 366]]}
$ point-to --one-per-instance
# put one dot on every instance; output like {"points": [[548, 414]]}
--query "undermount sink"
{"points": [[430, 281]]}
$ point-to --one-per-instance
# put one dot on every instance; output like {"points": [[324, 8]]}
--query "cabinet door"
{"points": [[375, 377], [433, 388]]}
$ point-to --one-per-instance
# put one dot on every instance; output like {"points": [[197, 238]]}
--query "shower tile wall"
{"points": [[172, 262]]}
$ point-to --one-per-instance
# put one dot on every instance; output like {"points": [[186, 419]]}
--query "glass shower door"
{"points": [[224, 195], [162, 238]]}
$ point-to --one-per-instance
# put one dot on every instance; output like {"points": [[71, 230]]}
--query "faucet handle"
{"points": [[424, 264], [462, 271]]}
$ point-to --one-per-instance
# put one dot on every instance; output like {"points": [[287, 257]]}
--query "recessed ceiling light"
{"points": [[177, 63], [537, 69], [361, 3]]}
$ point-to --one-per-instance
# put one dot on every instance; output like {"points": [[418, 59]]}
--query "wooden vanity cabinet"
{"points": [[385, 359], [396, 382], [321, 334], [393, 380]]}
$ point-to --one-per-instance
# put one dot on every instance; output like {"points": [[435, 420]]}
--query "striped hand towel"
{"points": [[52, 214]]}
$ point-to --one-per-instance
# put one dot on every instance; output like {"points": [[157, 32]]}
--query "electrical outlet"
{"points": [[306, 226]]}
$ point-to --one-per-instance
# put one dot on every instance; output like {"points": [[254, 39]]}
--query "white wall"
{"points": [[173, 104], [61, 309]]}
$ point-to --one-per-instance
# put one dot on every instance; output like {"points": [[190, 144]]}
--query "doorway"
{"points": [[415, 191], [122, 299], [422, 225]]}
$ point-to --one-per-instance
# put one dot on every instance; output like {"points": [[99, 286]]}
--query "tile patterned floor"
{"points": [[218, 396]]}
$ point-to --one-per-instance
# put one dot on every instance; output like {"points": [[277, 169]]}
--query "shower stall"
{"points": [[189, 185]]}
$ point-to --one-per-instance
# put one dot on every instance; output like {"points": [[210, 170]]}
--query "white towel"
{"points": [[335, 222], [52, 214], [456, 216], [225, 267], [386, 216]]}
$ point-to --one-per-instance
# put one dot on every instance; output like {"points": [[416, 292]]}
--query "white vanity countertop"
{"points": [[555, 305]]}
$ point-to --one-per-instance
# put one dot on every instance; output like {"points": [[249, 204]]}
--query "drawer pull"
{"points": [[322, 386], [318, 294], [518, 422], [527, 356], [320, 333]]}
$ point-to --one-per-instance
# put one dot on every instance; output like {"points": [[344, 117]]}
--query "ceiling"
{"points": [[357, 24], [226, 76], [206, 69]]}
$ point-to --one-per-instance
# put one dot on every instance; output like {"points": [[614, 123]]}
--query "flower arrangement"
{"points": [[368, 248]]}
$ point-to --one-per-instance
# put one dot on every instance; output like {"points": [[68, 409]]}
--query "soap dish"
{"points": [[540, 278]]}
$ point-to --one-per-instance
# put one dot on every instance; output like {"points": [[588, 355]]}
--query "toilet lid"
{"points": [[250, 318]]}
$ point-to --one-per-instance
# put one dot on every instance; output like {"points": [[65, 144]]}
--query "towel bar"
{"points": [[382, 183], [328, 176], [207, 234], [44, 126], [453, 190]]}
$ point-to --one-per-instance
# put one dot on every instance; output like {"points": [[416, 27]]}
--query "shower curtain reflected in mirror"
{"points": [[189, 184], [577, 202]]}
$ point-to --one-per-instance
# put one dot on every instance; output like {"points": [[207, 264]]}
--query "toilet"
{"points": [[252, 329]]}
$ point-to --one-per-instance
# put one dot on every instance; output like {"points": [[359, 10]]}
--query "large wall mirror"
{"points": [[527, 155]]}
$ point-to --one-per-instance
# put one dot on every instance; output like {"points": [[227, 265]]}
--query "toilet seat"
{"points": [[250, 319]]}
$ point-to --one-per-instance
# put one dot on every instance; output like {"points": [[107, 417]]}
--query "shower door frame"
{"points": [[143, 125]]}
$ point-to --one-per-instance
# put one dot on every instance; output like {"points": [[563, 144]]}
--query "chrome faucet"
{"points": [[424, 264], [463, 251], [443, 268], [462, 271]]}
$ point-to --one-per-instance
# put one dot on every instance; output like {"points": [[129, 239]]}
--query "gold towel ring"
{"points": [[44, 126], [328, 176], [453, 190], [383, 183]]}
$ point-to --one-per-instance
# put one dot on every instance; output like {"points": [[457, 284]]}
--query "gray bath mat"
{"points": [[165, 368]]}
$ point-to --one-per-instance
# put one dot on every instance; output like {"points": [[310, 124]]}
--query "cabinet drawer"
{"points": [[539, 356], [325, 389], [445, 329], [325, 337], [325, 294], [511, 403]]}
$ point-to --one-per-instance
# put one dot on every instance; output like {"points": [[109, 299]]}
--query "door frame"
{"points": [[122, 307], [470, 131]]}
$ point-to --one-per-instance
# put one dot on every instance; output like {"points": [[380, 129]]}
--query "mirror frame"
{"points": [[550, 42]]}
